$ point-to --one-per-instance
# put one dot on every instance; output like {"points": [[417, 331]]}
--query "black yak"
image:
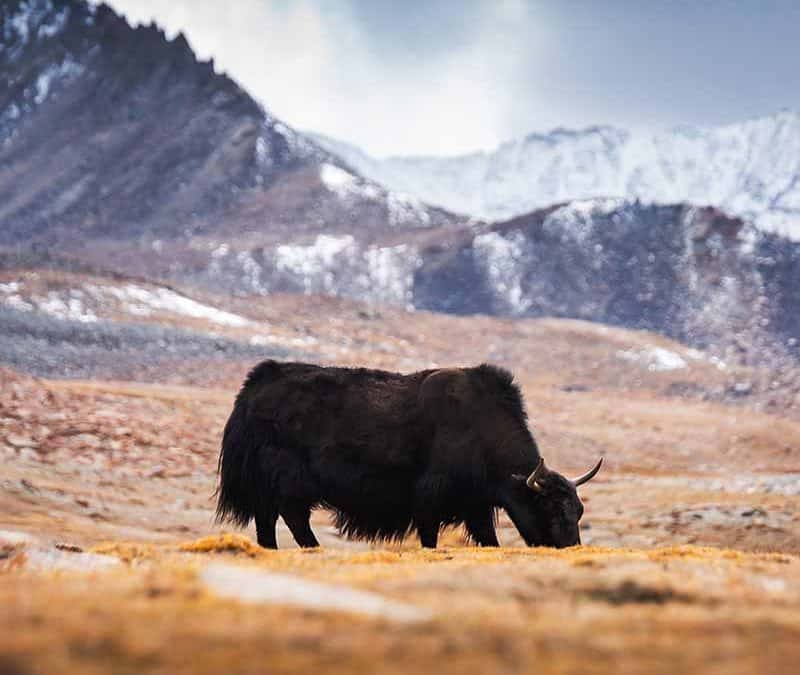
{"points": [[389, 454]]}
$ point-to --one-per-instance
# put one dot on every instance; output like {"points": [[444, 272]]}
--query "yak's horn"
{"points": [[585, 478], [538, 471]]}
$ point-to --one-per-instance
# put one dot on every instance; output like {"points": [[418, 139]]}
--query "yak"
{"points": [[389, 454]]}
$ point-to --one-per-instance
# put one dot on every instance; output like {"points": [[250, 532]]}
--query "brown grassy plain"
{"points": [[692, 530]]}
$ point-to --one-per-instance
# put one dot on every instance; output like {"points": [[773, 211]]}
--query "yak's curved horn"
{"points": [[538, 471], [585, 478]]}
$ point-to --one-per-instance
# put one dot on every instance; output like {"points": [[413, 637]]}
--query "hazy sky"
{"points": [[451, 76]]}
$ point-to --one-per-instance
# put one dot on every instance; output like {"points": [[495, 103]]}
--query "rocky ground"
{"points": [[110, 560]]}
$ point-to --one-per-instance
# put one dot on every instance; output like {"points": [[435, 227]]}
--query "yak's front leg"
{"points": [[480, 527], [428, 529], [297, 517], [431, 492]]}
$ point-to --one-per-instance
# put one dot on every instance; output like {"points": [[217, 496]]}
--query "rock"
{"points": [[257, 586], [572, 388], [27, 485], [20, 441], [69, 548], [55, 559], [19, 539], [89, 440], [29, 454], [12, 543]]}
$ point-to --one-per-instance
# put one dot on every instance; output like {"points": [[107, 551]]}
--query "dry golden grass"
{"points": [[127, 471], [677, 609]]}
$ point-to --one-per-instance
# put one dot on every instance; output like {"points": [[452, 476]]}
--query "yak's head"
{"points": [[545, 506]]}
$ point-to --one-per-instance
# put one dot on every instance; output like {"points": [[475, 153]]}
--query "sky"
{"points": [[445, 77]]}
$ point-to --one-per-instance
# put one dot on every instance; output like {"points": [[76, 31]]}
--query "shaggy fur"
{"points": [[388, 453]]}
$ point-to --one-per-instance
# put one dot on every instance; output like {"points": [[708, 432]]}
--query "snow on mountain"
{"points": [[121, 134], [695, 274], [750, 169], [330, 264], [85, 302], [401, 208], [121, 151]]}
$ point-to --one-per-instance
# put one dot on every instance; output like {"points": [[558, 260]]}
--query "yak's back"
{"points": [[355, 413], [312, 377]]}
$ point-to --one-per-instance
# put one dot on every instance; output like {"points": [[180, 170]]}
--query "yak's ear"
{"points": [[444, 390]]}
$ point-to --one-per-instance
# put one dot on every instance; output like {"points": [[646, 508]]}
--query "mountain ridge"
{"points": [[751, 169], [157, 144], [122, 152]]}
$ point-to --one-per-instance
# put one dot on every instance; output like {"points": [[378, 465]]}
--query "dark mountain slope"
{"points": [[692, 273], [111, 135]]}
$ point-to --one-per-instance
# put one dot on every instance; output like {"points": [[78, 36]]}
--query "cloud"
{"points": [[452, 76], [441, 82]]}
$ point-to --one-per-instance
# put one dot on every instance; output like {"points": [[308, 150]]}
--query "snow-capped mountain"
{"points": [[119, 146], [692, 273], [750, 169], [695, 274], [120, 151]]}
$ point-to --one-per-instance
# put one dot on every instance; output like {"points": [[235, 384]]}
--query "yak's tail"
{"points": [[240, 485]]}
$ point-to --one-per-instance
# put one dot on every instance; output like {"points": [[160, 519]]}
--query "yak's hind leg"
{"points": [[266, 518], [480, 527], [296, 515]]}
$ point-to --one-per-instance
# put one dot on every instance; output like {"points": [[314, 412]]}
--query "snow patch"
{"points": [[142, 301], [337, 180], [221, 251], [63, 73], [19, 23], [345, 184], [69, 308], [250, 268], [12, 112], [336, 265], [504, 262], [56, 24], [265, 340], [262, 153], [317, 264], [655, 359], [404, 208], [391, 276], [401, 208], [16, 302], [577, 219], [34, 18]]}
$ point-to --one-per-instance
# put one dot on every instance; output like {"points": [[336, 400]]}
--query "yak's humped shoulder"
{"points": [[271, 370], [501, 382]]}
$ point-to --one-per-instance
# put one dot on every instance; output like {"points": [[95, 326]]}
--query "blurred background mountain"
{"points": [[122, 153]]}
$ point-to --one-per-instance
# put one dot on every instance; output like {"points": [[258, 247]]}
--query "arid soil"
{"points": [[110, 560]]}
